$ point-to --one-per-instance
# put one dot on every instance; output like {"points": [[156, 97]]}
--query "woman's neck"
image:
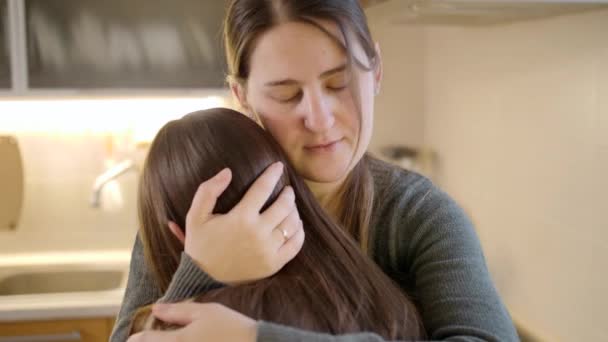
{"points": [[328, 195]]}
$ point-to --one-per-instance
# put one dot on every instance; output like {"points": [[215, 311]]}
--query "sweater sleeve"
{"points": [[188, 281], [433, 250], [436, 244]]}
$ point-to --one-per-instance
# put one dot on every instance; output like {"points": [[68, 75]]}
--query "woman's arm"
{"points": [[188, 281], [439, 248], [236, 239], [433, 248], [430, 244], [427, 242], [270, 332]]}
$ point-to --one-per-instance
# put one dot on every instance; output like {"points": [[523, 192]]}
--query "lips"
{"points": [[323, 145]]}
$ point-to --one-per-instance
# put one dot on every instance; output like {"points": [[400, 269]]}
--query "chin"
{"points": [[326, 174]]}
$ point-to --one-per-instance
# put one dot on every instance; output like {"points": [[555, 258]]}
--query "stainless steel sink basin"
{"points": [[44, 282]]}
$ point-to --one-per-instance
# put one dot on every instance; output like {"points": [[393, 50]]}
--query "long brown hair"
{"points": [[246, 20], [330, 286]]}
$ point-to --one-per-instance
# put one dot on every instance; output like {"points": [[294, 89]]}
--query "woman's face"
{"points": [[303, 92]]}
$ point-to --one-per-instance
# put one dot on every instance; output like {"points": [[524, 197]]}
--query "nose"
{"points": [[319, 117]]}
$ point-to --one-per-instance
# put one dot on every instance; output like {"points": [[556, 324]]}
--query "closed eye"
{"points": [[339, 81], [294, 98]]}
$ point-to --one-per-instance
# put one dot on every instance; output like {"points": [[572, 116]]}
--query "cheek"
{"points": [[282, 129], [359, 116], [366, 89], [281, 125], [367, 115]]}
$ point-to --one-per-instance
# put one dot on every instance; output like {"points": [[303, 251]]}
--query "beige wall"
{"points": [[400, 104], [518, 115], [65, 145], [59, 174]]}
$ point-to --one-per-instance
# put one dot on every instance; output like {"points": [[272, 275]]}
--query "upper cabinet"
{"points": [[116, 45], [124, 44], [475, 12], [5, 62]]}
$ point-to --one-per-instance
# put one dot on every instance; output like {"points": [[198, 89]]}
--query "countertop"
{"points": [[60, 306]]}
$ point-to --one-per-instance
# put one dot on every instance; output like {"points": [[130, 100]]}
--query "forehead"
{"points": [[296, 50]]}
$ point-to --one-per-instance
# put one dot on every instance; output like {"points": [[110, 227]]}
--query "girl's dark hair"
{"points": [[330, 286], [247, 20]]}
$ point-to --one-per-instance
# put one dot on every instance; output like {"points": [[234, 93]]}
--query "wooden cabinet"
{"points": [[84, 330]]}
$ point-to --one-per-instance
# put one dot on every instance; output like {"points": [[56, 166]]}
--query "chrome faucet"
{"points": [[111, 174]]}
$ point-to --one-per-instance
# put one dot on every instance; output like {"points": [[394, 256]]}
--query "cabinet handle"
{"points": [[72, 336]]}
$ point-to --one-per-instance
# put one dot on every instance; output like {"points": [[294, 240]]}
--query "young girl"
{"points": [[308, 71], [330, 286]]}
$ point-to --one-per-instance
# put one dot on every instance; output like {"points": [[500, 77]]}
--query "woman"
{"points": [[330, 286], [307, 71]]}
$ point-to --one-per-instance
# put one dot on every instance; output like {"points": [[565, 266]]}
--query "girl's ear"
{"points": [[177, 232]]}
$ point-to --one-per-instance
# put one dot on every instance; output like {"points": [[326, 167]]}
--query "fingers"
{"points": [[206, 196], [284, 205], [179, 313], [177, 232], [292, 247], [262, 188]]}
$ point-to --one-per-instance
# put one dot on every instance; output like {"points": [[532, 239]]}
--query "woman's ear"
{"points": [[378, 70], [239, 93]]}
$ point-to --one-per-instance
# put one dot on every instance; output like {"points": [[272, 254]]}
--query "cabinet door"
{"points": [[124, 44], [82, 330], [5, 62]]}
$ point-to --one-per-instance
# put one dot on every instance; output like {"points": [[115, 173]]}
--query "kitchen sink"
{"points": [[44, 282]]}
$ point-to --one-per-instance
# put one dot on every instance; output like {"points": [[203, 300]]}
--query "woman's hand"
{"points": [[202, 322], [243, 245]]}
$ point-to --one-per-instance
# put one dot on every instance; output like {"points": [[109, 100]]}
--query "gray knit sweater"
{"points": [[420, 238]]}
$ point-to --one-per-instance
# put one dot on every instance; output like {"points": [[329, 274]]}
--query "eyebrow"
{"points": [[289, 81]]}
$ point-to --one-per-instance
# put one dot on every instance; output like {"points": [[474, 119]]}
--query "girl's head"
{"points": [[308, 70], [330, 286], [185, 153]]}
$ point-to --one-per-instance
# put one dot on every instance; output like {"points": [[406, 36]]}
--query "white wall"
{"points": [[518, 115]]}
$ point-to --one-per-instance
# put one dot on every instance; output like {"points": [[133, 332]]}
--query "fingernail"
{"points": [[279, 165], [223, 175]]}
